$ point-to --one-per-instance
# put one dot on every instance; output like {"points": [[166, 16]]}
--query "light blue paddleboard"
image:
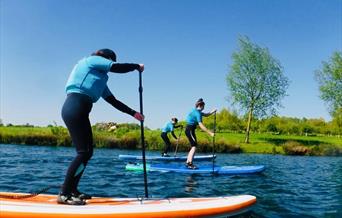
{"points": [[171, 158], [205, 169]]}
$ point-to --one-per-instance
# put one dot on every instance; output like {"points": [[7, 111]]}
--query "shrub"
{"points": [[295, 148], [326, 150]]}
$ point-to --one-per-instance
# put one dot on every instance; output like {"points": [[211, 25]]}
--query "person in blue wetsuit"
{"points": [[86, 84], [193, 119], [169, 127]]}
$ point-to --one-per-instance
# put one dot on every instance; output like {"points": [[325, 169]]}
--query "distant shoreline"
{"points": [[129, 138]]}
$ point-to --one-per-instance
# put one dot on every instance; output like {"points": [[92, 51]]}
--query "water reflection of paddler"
{"points": [[190, 184]]}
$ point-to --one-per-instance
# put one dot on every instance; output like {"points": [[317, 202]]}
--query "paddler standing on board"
{"points": [[193, 119], [86, 84], [169, 127]]}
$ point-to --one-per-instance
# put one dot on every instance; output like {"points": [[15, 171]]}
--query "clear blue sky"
{"points": [[186, 46]]}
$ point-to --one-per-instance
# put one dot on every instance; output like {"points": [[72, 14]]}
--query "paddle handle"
{"points": [[142, 133]]}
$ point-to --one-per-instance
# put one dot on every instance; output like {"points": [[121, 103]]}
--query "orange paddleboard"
{"points": [[45, 206]]}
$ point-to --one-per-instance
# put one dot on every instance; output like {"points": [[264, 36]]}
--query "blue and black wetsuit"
{"points": [[169, 127], [86, 84], [192, 120]]}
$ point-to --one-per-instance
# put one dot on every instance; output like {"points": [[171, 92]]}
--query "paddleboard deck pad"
{"points": [[206, 169], [45, 206], [171, 158]]}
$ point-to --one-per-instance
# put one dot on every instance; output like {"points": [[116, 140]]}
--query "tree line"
{"points": [[230, 121]]}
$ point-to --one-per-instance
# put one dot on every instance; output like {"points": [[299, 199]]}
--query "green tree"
{"points": [[271, 125], [256, 81], [225, 121], [337, 121], [329, 78]]}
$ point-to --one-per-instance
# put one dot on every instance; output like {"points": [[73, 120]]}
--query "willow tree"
{"points": [[256, 81]]}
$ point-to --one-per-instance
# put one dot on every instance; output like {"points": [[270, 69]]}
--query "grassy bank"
{"points": [[127, 138]]}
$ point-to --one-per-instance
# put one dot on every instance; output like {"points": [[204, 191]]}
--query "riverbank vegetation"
{"points": [[269, 136]]}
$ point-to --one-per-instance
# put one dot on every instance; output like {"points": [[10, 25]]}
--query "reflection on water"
{"points": [[190, 184]]}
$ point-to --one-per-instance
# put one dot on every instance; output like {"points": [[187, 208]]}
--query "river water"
{"points": [[291, 186]]}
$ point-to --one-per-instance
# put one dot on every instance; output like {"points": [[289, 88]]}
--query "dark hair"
{"points": [[200, 102], [175, 119], [106, 53]]}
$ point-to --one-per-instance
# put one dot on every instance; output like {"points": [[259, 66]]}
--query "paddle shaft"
{"points": [[214, 142], [178, 141], [142, 133]]}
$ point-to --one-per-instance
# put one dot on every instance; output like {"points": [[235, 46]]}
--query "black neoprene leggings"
{"points": [[190, 134], [166, 141], [75, 113]]}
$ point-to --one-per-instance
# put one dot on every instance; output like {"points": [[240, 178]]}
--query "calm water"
{"points": [[290, 186]]}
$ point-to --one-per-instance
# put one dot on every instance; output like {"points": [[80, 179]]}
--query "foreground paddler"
{"points": [[86, 84], [194, 119]]}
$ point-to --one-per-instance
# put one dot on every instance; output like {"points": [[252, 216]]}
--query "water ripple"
{"points": [[289, 187]]}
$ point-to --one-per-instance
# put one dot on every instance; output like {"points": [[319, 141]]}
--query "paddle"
{"points": [[142, 133], [181, 130], [214, 140]]}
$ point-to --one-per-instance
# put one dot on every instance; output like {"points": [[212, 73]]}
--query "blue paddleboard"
{"points": [[205, 169], [171, 158]]}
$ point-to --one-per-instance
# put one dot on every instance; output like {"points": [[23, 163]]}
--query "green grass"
{"points": [[126, 138], [273, 144]]}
